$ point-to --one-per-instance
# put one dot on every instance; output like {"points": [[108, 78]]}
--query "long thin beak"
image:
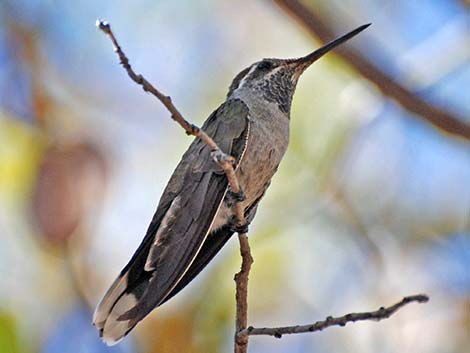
{"points": [[307, 60]]}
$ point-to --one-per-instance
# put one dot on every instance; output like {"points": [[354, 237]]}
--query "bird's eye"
{"points": [[265, 65]]}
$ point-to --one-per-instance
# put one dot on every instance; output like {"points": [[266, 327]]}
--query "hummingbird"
{"points": [[195, 216]]}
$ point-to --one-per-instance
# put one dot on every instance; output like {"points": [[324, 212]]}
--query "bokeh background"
{"points": [[371, 203]]}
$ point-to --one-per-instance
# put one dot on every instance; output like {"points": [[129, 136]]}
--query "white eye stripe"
{"points": [[252, 69], [242, 82]]}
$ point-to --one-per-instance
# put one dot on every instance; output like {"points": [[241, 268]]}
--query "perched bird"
{"points": [[195, 216]]}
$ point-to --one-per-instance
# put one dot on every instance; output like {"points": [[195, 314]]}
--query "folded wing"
{"points": [[178, 229]]}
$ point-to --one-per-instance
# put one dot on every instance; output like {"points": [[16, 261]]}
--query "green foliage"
{"points": [[9, 335]]}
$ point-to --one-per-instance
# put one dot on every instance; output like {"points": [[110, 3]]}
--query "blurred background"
{"points": [[371, 203]]}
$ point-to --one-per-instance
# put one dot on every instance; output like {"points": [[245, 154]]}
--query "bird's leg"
{"points": [[231, 199], [237, 227], [233, 196]]}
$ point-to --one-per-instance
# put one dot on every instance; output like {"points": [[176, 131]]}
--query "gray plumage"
{"points": [[195, 215]]}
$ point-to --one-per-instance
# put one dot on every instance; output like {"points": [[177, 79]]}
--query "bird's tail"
{"points": [[118, 300]]}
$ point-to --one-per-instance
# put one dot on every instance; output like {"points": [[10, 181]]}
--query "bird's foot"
{"points": [[236, 196], [236, 227]]}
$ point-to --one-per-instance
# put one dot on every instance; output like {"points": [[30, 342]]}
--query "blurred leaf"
{"points": [[20, 149], [9, 340], [70, 182]]}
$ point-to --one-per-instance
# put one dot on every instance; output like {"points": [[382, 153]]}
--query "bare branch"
{"points": [[382, 313], [437, 116], [140, 80], [241, 280], [226, 162], [223, 159]]}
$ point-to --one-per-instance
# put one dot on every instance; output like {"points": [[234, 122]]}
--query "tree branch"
{"points": [[226, 162], [465, 3], [382, 313], [241, 295], [437, 116], [241, 278]]}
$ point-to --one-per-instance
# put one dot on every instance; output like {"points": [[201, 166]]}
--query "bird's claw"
{"points": [[236, 227], [236, 196]]}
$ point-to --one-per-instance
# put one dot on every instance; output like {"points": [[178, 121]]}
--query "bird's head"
{"points": [[275, 79]]}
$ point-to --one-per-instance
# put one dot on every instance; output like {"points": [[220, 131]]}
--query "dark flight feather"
{"points": [[178, 229], [212, 245]]}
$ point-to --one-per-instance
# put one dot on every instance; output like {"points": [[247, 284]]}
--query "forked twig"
{"points": [[382, 313], [224, 160], [241, 278]]}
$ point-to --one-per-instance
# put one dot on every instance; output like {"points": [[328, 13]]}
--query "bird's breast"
{"points": [[267, 142]]}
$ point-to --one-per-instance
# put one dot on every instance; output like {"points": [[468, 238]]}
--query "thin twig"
{"points": [[241, 278], [435, 115], [382, 313], [226, 162]]}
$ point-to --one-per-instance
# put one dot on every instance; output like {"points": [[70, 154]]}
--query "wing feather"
{"points": [[212, 245], [178, 229]]}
